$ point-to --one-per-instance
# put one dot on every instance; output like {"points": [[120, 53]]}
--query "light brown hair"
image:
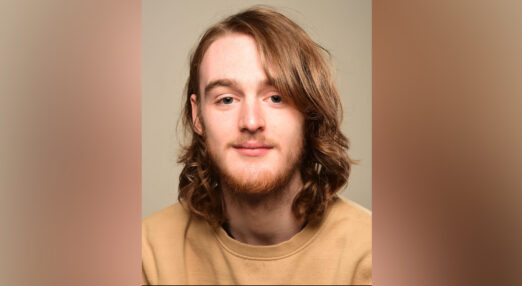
{"points": [[295, 65]]}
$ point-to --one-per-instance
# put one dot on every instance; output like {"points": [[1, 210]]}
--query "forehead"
{"points": [[232, 56]]}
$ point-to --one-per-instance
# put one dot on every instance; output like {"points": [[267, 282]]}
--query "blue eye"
{"points": [[276, 98], [227, 100]]}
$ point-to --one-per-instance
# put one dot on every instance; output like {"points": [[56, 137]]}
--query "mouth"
{"points": [[252, 149]]}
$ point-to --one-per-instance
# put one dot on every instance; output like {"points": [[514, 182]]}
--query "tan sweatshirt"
{"points": [[178, 248]]}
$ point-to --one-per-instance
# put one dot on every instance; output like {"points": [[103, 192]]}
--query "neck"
{"points": [[264, 219]]}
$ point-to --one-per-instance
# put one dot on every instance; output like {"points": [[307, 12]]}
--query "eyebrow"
{"points": [[225, 82], [221, 82]]}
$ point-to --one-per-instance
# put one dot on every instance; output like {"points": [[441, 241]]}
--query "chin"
{"points": [[252, 177], [256, 183]]}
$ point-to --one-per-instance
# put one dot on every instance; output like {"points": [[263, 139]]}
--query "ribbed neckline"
{"points": [[276, 251]]}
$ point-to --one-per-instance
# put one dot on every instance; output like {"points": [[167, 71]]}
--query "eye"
{"points": [[276, 98], [226, 100]]}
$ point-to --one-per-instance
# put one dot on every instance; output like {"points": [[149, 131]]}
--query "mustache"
{"points": [[246, 138]]}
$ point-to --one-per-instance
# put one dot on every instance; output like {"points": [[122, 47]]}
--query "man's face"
{"points": [[254, 135]]}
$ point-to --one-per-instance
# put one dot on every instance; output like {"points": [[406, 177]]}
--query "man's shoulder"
{"points": [[351, 218], [347, 209], [172, 217], [352, 224], [162, 243]]}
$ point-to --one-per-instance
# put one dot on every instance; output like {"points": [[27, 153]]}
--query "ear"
{"points": [[195, 114]]}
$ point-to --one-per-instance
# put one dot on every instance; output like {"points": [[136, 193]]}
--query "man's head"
{"points": [[253, 134], [261, 108]]}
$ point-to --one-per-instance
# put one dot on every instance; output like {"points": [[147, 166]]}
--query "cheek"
{"points": [[289, 127], [218, 129]]}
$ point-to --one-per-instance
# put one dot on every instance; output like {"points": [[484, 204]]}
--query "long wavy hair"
{"points": [[296, 66]]}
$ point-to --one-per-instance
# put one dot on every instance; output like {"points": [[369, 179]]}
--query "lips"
{"points": [[252, 149]]}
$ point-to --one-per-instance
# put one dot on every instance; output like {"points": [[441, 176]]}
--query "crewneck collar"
{"points": [[277, 251]]}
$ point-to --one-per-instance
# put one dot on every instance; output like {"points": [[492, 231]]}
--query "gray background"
{"points": [[171, 29]]}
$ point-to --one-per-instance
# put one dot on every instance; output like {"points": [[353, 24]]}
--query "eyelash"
{"points": [[280, 98], [222, 100]]}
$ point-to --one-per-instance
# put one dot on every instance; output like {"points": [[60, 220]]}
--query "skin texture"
{"points": [[255, 139]]}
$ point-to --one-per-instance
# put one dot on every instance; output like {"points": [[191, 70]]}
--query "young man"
{"points": [[257, 195]]}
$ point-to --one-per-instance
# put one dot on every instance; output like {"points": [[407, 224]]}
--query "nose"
{"points": [[251, 118]]}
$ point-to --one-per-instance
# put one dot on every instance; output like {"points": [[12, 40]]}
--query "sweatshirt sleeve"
{"points": [[363, 271], [147, 258], [144, 280]]}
